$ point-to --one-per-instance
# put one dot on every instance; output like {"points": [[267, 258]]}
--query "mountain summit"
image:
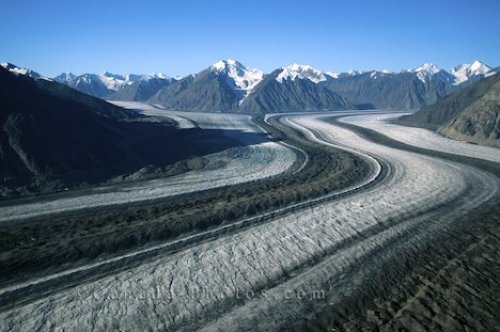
{"points": [[240, 78], [426, 71], [473, 71], [20, 71], [222, 87], [293, 71]]}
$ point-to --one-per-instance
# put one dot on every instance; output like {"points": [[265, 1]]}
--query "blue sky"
{"points": [[182, 37]]}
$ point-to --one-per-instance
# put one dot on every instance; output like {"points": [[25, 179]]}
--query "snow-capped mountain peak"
{"points": [[332, 74], [114, 76], [160, 75], [378, 73], [20, 71], [130, 78], [295, 70], [465, 71], [479, 68], [225, 64], [239, 77], [426, 70], [337, 75], [113, 81], [374, 74]]}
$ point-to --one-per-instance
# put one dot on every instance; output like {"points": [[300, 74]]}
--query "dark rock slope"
{"points": [[472, 114], [296, 95], [52, 136]]}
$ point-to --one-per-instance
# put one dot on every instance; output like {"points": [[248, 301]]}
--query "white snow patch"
{"points": [[113, 82], [303, 72], [353, 72], [332, 74], [466, 71], [20, 71], [425, 71]]}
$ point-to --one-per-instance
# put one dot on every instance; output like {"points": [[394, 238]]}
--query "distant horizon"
{"points": [[179, 39], [493, 66]]}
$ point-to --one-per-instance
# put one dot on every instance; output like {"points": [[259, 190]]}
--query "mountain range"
{"points": [[60, 137], [229, 86], [53, 137], [114, 86]]}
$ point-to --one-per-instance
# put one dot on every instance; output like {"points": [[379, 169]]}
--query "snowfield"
{"points": [[268, 275], [296, 71]]}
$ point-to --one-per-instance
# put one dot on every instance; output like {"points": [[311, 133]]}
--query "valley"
{"points": [[305, 166], [336, 198]]}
